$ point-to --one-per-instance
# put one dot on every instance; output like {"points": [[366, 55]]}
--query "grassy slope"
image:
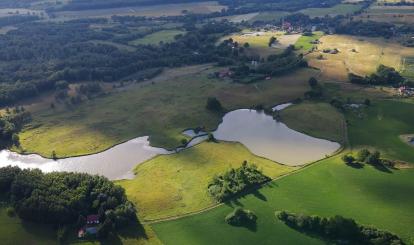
{"points": [[316, 119], [161, 110], [381, 126], [372, 197], [304, 42], [165, 36], [183, 178]]}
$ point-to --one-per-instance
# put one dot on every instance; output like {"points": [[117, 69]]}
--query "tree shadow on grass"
{"points": [[134, 230], [382, 168], [356, 165]]}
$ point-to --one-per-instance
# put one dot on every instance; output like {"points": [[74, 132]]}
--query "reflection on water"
{"points": [[114, 163], [265, 137]]}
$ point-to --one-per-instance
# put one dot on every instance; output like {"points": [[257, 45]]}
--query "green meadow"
{"points": [[155, 38], [327, 188], [340, 9], [304, 42]]}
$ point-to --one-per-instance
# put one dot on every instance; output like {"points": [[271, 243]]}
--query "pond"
{"points": [[265, 137], [258, 132]]}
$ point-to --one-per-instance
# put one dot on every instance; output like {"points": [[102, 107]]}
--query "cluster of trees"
{"points": [[316, 91], [234, 181], [240, 217], [41, 53], [383, 76], [339, 228], [10, 125], [65, 198], [213, 104], [364, 156]]}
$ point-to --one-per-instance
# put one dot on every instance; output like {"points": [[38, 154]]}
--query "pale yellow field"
{"points": [[185, 177], [259, 41], [370, 53]]}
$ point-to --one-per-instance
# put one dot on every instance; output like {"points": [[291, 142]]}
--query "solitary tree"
{"points": [[213, 104], [272, 40]]}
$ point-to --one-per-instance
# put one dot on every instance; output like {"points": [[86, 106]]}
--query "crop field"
{"points": [[304, 42], [150, 11], [259, 41], [356, 55], [165, 36], [340, 9], [394, 14], [320, 120], [381, 126], [269, 16], [185, 177], [326, 188], [160, 108]]}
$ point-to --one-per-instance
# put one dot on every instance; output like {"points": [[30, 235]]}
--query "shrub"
{"points": [[348, 159], [213, 104], [10, 212], [363, 155], [240, 217]]}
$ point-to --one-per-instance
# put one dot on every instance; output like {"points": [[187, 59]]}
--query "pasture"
{"points": [[326, 188], [320, 120], [150, 11], [160, 108], [155, 38], [269, 16], [358, 55], [408, 68], [381, 125], [178, 183], [340, 9]]}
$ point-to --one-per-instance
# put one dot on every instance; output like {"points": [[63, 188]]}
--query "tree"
{"points": [[363, 155], [313, 82], [348, 159], [272, 40], [213, 104], [374, 158], [367, 102], [246, 45]]}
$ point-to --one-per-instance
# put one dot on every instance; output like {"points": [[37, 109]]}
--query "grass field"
{"points": [[326, 189], [408, 68], [304, 42], [369, 53], [155, 38], [269, 16], [381, 126], [14, 231], [340, 9], [259, 41], [178, 183], [150, 11], [320, 120], [162, 109]]}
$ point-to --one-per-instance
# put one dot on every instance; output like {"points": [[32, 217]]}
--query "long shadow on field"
{"points": [[356, 165], [382, 168]]}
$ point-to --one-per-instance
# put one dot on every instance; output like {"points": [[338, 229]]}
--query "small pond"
{"points": [[265, 137]]}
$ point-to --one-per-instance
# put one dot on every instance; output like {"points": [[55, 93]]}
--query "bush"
{"points": [[235, 181], [10, 212], [348, 159], [363, 155], [240, 217]]}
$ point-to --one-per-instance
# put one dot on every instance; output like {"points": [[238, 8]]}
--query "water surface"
{"points": [[265, 137]]}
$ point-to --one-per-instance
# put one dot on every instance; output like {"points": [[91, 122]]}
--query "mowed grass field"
{"points": [[340, 9], [176, 184], [304, 42], [394, 14], [328, 188], [381, 126], [320, 120], [155, 38], [160, 108], [369, 54], [408, 68], [150, 11]]}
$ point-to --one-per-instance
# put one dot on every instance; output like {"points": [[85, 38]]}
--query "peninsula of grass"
{"points": [[327, 188], [161, 108], [176, 184], [319, 120]]}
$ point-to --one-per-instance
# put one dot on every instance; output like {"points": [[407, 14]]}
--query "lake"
{"points": [[265, 137]]}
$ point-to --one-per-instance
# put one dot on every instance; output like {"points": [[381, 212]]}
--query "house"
{"points": [[92, 219]]}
